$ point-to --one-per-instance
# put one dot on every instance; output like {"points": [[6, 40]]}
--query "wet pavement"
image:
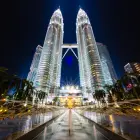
{"points": [[24, 124], [73, 127], [127, 126]]}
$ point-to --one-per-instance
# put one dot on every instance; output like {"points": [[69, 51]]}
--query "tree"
{"points": [[28, 89], [108, 89], [42, 95], [7, 82], [19, 88], [99, 96], [109, 98], [132, 79], [4, 82], [56, 99]]}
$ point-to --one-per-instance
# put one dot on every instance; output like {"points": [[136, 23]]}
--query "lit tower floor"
{"points": [[80, 128]]}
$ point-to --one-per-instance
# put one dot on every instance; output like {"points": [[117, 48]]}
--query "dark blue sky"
{"points": [[70, 68], [24, 24]]}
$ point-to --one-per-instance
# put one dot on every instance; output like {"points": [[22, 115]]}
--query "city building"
{"points": [[91, 76], [132, 67], [34, 65], [95, 65], [108, 70], [73, 91], [48, 74]]}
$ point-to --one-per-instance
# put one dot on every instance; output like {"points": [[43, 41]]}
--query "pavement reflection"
{"points": [[24, 124], [123, 125], [81, 129]]}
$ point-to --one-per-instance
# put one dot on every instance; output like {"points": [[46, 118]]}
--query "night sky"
{"points": [[23, 25]]}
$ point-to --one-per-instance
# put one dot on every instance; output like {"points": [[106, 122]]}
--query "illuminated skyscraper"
{"points": [[132, 67], [34, 65], [95, 65], [48, 74], [109, 73], [91, 76]]}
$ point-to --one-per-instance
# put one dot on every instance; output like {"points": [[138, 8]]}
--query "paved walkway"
{"points": [[80, 129]]}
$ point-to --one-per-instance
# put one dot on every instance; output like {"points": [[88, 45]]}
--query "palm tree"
{"points": [[24, 89], [56, 99], [41, 96], [108, 88], [4, 81], [28, 90], [99, 96], [19, 86], [131, 78], [135, 78], [112, 92], [8, 82]]}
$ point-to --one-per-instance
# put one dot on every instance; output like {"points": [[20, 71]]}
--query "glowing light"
{"points": [[25, 104], [72, 87], [129, 86], [134, 109], [111, 118], [1, 110], [74, 91], [68, 87]]}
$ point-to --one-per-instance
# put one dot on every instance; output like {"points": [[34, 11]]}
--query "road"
{"points": [[80, 129]]}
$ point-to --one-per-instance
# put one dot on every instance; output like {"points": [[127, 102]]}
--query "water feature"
{"points": [[24, 124], [127, 126], [70, 126]]}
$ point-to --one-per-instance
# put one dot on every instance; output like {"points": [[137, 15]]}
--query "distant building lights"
{"points": [[72, 87], [68, 87]]}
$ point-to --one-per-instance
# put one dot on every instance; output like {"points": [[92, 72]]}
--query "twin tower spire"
{"points": [[80, 12], [58, 14]]}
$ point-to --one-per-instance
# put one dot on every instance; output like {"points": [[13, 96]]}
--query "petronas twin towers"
{"points": [[49, 69], [48, 73]]}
